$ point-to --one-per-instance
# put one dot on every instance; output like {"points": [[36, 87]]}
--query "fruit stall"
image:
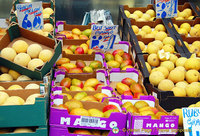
{"points": [[140, 76]]}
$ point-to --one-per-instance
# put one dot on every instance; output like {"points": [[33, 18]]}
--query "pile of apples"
{"points": [[25, 55], [77, 85], [194, 47], [83, 96], [5, 99], [82, 49], [79, 66], [119, 59], [75, 107], [129, 87], [186, 14], [188, 30], [91, 132], [143, 109], [11, 75], [139, 16], [180, 75], [179, 112], [77, 34]]}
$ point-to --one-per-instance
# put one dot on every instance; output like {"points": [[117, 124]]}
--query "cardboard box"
{"points": [[116, 76], [62, 119], [62, 131], [101, 75], [168, 101], [63, 26], [41, 131], [144, 125], [17, 33], [24, 115]]}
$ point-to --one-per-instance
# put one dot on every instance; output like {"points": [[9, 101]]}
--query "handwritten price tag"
{"points": [[103, 36], [191, 121], [30, 15], [166, 8]]}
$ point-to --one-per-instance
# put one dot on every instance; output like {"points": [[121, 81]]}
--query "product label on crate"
{"points": [[166, 8], [103, 36], [191, 121], [90, 121], [30, 15]]}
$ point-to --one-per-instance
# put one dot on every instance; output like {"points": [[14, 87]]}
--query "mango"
{"points": [[121, 88], [118, 58], [108, 57], [95, 64], [118, 51], [75, 70], [80, 95], [68, 66], [95, 113], [80, 64], [77, 82], [72, 104], [91, 82], [113, 64], [75, 88], [88, 69], [88, 88], [79, 111]]}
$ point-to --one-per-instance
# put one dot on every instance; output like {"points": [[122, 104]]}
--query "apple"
{"points": [[109, 107], [66, 82], [79, 50]]}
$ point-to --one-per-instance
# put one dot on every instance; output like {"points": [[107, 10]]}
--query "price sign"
{"points": [[166, 8], [191, 121], [103, 36], [30, 15]]}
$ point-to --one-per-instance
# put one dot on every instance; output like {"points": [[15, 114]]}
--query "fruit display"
{"points": [[147, 109], [76, 34], [178, 112], [48, 29], [30, 56], [74, 84], [192, 46], [119, 59], [79, 66]]}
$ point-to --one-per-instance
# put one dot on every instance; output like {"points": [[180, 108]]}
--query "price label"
{"points": [[166, 8], [30, 15], [90, 121], [191, 121], [103, 36]]}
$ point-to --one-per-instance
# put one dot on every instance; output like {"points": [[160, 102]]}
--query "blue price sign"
{"points": [[191, 121], [30, 15], [166, 8], [103, 36]]}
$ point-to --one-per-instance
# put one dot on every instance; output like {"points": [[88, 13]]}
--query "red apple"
{"points": [[75, 70], [128, 81], [79, 50], [109, 107], [66, 82]]}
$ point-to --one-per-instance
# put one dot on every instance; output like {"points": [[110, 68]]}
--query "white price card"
{"points": [[103, 36], [166, 8], [191, 121], [30, 15]]}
